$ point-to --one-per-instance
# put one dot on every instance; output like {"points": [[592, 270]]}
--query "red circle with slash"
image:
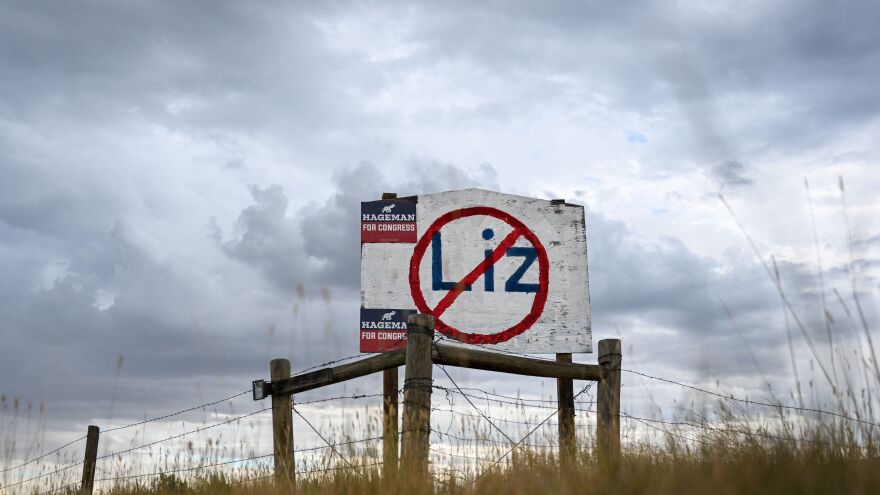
{"points": [[519, 230]]}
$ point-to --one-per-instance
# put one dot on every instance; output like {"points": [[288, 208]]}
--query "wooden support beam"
{"points": [[565, 396], [89, 461], [608, 403], [442, 354], [506, 363], [417, 387], [328, 376], [390, 425], [282, 424]]}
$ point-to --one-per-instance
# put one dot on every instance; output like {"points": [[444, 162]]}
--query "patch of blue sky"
{"points": [[636, 137]]}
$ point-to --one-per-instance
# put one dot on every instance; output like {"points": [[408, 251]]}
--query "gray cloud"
{"points": [[180, 184], [318, 242], [730, 173], [812, 66]]}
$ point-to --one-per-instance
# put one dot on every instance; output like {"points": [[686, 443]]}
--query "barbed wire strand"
{"points": [[184, 470], [174, 437], [222, 463], [181, 435], [500, 401], [178, 413], [488, 440], [47, 454], [60, 470], [504, 420], [736, 431], [510, 397], [554, 413], [118, 428], [477, 458], [667, 432], [749, 401], [233, 461], [495, 394], [474, 405], [339, 397], [322, 437]]}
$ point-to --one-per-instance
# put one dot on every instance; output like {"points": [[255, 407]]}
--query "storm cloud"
{"points": [[180, 182]]}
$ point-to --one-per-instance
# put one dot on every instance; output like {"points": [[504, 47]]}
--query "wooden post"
{"points": [[390, 385], [282, 424], [89, 461], [608, 402], [565, 395], [417, 386], [390, 424]]}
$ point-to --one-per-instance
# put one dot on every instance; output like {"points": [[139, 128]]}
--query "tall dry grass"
{"points": [[719, 466]]}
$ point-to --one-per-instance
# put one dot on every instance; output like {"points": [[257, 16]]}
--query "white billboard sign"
{"points": [[497, 270]]}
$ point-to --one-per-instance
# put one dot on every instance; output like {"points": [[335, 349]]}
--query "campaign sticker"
{"points": [[388, 221], [383, 329]]}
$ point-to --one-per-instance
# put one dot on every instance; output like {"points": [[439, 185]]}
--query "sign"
{"points": [[496, 270], [383, 329], [388, 221]]}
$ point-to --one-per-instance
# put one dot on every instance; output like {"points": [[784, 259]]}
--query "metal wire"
{"points": [[333, 448], [178, 413], [468, 393], [586, 387], [174, 437], [475, 407], [61, 470], [754, 402], [47, 454]]}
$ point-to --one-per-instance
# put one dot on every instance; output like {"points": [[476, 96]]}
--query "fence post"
{"points": [[390, 425], [89, 461], [565, 396], [282, 424], [417, 385], [608, 402]]}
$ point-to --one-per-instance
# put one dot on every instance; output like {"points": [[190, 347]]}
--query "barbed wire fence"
{"points": [[473, 430]]}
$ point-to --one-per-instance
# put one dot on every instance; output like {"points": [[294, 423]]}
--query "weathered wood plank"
{"points": [[442, 354], [565, 397], [89, 460], [282, 424], [417, 387], [505, 363], [608, 403], [329, 376], [390, 425]]}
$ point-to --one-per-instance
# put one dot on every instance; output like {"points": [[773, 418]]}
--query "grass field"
{"points": [[721, 466]]}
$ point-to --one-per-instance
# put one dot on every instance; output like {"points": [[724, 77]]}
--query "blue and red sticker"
{"points": [[383, 329], [388, 221]]}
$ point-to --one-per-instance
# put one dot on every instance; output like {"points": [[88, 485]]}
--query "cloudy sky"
{"points": [[180, 181]]}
